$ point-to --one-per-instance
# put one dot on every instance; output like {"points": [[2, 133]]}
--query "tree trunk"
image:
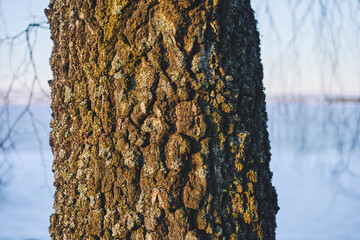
{"points": [[159, 121]]}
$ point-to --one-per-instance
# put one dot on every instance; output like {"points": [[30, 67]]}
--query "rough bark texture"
{"points": [[159, 121]]}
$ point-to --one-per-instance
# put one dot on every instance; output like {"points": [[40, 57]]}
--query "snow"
{"points": [[315, 151]]}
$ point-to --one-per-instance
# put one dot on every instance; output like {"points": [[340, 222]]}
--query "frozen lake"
{"points": [[315, 160]]}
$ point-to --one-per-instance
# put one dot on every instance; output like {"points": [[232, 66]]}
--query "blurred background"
{"points": [[311, 58]]}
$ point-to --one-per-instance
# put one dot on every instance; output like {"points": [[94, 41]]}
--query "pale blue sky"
{"points": [[17, 16], [305, 67]]}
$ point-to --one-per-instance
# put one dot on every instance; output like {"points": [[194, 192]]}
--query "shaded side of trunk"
{"points": [[159, 121]]}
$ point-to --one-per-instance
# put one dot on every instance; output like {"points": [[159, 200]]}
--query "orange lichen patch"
{"points": [[222, 140], [201, 220], [238, 187], [208, 203], [233, 236], [240, 153], [250, 215], [244, 204], [237, 203], [237, 199], [238, 166], [242, 137], [217, 217], [217, 120], [252, 176], [231, 128], [258, 230], [227, 108], [215, 26], [250, 189]]}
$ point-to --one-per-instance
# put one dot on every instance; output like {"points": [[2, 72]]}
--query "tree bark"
{"points": [[159, 121]]}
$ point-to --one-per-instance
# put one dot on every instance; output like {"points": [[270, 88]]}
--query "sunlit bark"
{"points": [[159, 121]]}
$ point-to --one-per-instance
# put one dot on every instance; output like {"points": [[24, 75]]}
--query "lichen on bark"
{"points": [[159, 121]]}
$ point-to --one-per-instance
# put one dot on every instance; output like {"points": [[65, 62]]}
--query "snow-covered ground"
{"points": [[315, 158]]}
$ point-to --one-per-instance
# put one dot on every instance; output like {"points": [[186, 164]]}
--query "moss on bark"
{"points": [[159, 121]]}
